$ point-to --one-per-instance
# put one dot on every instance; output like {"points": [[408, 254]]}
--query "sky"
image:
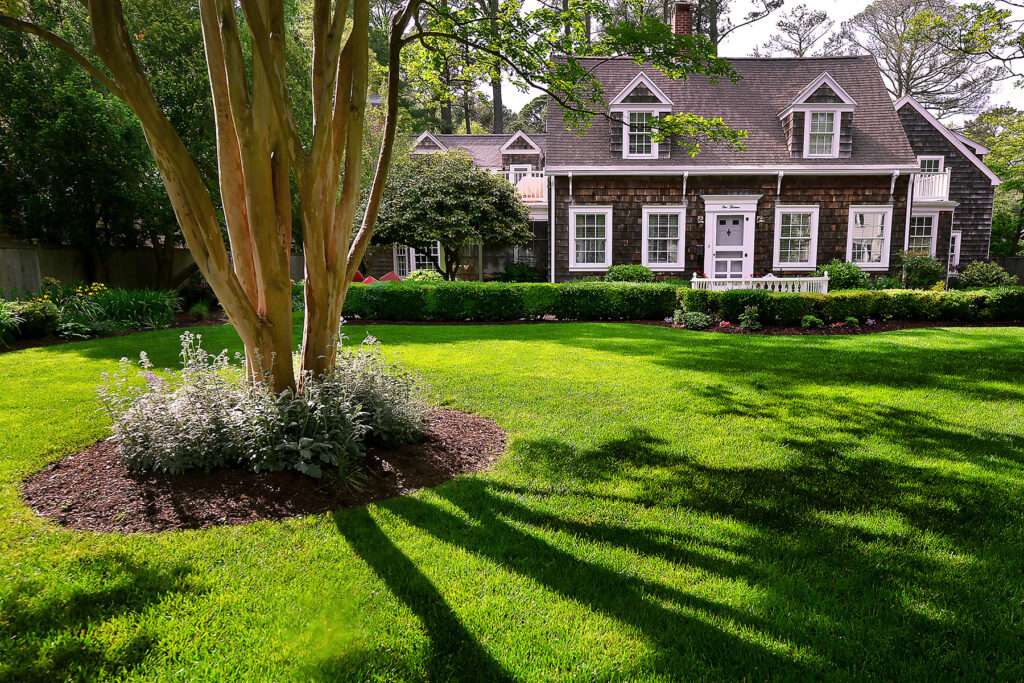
{"points": [[741, 43]]}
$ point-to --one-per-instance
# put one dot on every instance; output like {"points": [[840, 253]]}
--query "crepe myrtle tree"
{"points": [[260, 147], [444, 198]]}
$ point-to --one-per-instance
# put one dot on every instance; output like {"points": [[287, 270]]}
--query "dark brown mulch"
{"points": [[93, 490], [180, 320]]}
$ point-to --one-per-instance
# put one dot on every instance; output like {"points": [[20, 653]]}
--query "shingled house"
{"points": [[831, 169]]}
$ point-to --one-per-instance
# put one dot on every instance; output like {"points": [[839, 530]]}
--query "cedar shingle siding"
{"points": [[627, 195], [968, 186]]}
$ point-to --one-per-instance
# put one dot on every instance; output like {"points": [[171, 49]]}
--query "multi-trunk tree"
{"points": [[260, 147]]}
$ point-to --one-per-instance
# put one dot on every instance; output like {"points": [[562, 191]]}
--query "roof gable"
{"points": [[641, 90], [823, 88], [426, 143], [520, 143], [950, 136]]}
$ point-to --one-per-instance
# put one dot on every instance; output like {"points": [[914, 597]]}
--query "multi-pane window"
{"points": [[930, 164], [638, 135], [427, 260], [922, 234], [822, 132], [663, 232], [795, 237], [868, 231], [591, 238], [408, 259]]}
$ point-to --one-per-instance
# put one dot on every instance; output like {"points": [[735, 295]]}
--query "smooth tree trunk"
{"points": [[258, 149]]}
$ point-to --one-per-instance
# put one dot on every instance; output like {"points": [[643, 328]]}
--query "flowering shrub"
{"points": [[430, 275], [207, 415]]}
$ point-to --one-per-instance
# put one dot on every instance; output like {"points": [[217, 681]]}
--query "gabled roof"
{"points": [[427, 136], [950, 136], [824, 79], [645, 80], [484, 148], [507, 148], [752, 104]]}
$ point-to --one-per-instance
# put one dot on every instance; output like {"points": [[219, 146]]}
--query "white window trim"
{"points": [[934, 215], [410, 255], [929, 157], [590, 267], [653, 110], [677, 209], [525, 169], [836, 125], [954, 254], [886, 236], [812, 209]]}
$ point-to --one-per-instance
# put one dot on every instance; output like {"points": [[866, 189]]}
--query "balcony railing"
{"points": [[532, 185], [931, 186], [768, 282]]}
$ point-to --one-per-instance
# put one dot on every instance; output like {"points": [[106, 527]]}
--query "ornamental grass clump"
{"points": [[208, 415]]}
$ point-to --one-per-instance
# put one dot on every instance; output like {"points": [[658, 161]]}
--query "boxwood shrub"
{"points": [[499, 301], [999, 304]]}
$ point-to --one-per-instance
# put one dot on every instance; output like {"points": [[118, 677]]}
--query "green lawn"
{"points": [[673, 506]]}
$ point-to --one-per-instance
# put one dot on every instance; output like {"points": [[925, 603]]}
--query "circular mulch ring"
{"points": [[94, 491]]}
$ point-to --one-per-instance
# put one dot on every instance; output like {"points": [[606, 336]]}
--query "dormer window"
{"points": [[819, 120], [639, 142], [822, 136], [638, 105]]}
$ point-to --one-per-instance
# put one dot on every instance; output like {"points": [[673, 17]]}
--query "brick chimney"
{"points": [[682, 20]]}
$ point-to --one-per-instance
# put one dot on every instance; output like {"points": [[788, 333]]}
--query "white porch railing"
{"points": [[532, 185], [932, 186], [769, 282]]}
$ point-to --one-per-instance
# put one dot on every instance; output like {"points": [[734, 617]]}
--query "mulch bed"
{"points": [[94, 491]]}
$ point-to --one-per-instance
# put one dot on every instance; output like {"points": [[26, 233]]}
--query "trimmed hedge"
{"points": [[1000, 304], [499, 301]]}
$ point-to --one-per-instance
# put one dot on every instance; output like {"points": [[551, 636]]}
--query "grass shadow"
{"points": [[45, 634], [455, 653]]}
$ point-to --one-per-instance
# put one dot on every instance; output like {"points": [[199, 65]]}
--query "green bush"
{"points": [[699, 300], [39, 318], [10, 320], [734, 302], [692, 320], [750, 319], [843, 275], [790, 309], [199, 310], [984, 274], [887, 282], [838, 306], [520, 272], [811, 322], [629, 272], [429, 275], [137, 308], [851, 323], [919, 271]]}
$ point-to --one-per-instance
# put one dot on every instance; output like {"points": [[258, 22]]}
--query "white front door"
{"points": [[730, 252]]}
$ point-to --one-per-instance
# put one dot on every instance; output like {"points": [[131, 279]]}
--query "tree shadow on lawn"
{"points": [[49, 636], [870, 567], [454, 653]]}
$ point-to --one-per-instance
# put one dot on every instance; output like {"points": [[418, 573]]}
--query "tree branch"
{"points": [[13, 24]]}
